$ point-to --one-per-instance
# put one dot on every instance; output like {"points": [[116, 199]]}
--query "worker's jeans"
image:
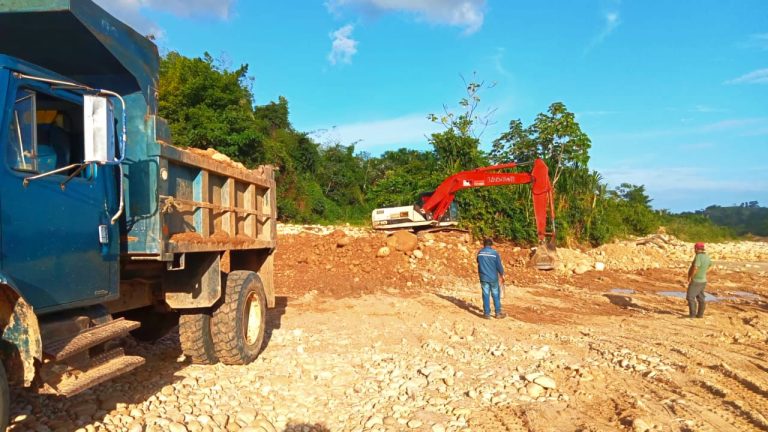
{"points": [[696, 295], [490, 289]]}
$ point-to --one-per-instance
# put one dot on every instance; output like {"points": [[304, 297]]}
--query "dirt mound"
{"points": [[217, 156], [350, 261]]}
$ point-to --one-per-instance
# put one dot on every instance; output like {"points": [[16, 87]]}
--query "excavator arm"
{"points": [[543, 203]]}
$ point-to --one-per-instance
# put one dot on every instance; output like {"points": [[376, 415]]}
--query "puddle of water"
{"points": [[622, 291], [681, 294], [746, 295]]}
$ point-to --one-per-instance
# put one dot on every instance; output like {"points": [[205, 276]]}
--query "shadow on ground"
{"points": [[95, 404], [469, 307], [306, 427], [38, 412], [626, 302], [275, 318]]}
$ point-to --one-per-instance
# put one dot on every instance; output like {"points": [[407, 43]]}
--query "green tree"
{"points": [[555, 136], [208, 106], [457, 148]]}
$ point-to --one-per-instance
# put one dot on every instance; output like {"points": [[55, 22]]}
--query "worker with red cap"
{"points": [[697, 281]]}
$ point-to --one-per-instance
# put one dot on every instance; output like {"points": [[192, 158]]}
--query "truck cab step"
{"points": [[67, 347], [103, 368]]}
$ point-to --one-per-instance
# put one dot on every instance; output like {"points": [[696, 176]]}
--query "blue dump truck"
{"points": [[106, 228]]}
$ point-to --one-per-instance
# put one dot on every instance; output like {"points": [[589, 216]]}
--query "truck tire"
{"points": [[238, 323], [5, 399], [195, 337]]}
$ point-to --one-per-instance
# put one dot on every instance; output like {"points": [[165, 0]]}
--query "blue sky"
{"points": [[674, 94]]}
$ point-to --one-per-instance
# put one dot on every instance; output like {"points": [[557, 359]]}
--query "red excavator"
{"points": [[437, 209]]}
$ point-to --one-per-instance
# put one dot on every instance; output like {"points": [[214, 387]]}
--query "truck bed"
{"points": [[205, 202]]}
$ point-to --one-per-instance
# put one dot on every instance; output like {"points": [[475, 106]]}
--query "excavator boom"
{"points": [[438, 203]]}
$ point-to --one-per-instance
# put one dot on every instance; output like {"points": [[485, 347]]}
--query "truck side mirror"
{"points": [[99, 129]]}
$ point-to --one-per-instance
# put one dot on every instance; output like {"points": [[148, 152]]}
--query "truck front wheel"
{"points": [[5, 400], [238, 323], [195, 337]]}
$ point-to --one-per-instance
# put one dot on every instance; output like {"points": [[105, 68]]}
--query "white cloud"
{"points": [[703, 145], [742, 125], [759, 76], [759, 41], [687, 188], [611, 20], [468, 14], [498, 62], [131, 11], [680, 179], [381, 135], [706, 109], [343, 46]]}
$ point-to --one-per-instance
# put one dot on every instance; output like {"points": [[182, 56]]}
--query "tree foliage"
{"points": [[209, 105]]}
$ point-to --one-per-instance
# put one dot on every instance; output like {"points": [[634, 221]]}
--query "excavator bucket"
{"points": [[545, 256]]}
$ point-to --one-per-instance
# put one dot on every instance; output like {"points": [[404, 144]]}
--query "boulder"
{"points": [[581, 269], [546, 382], [383, 252], [403, 241], [534, 390]]}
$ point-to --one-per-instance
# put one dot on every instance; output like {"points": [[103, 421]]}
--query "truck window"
{"points": [[46, 133], [22, 130]]}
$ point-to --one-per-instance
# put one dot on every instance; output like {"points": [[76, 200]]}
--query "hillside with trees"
{"points": [[746, 218], [208, 105]]}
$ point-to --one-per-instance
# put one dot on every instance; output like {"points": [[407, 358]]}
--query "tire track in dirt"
{"points": [[731, 417], [500, 420], [726, 386], [513, 419]]}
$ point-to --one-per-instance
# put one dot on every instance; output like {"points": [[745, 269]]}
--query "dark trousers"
{"points": [[695, 297]]}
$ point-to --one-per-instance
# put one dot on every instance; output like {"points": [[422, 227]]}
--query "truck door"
{"points": [[49, 227]]}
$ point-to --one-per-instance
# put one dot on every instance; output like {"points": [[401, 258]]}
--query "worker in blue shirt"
{"points": [[491, 271]]}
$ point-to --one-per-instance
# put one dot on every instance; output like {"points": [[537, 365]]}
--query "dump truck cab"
{"points": [[51, 225], [106, 228]]}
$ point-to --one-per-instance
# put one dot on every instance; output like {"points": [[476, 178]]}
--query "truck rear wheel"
{"points": [[195, 337], [5, 399], [239, 322]]}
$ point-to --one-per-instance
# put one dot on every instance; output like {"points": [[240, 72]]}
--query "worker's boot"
{"points": [[501, 315], [691, 308], [700, 314]]}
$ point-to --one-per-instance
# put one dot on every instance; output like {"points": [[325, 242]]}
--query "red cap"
{"points": [[699, 245]]}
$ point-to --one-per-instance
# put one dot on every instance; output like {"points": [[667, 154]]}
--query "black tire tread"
{"points": [[193, 334], [5, 401], [226, 340]]}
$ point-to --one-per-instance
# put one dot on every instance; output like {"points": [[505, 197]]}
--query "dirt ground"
{"points": [[369, 340], [621, 348]]}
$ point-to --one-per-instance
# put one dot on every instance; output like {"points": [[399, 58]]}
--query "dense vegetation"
{"points": [[746, 218], [208, 105]]}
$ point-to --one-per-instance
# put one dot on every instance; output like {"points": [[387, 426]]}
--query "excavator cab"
{"points": [[452, 215]]}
